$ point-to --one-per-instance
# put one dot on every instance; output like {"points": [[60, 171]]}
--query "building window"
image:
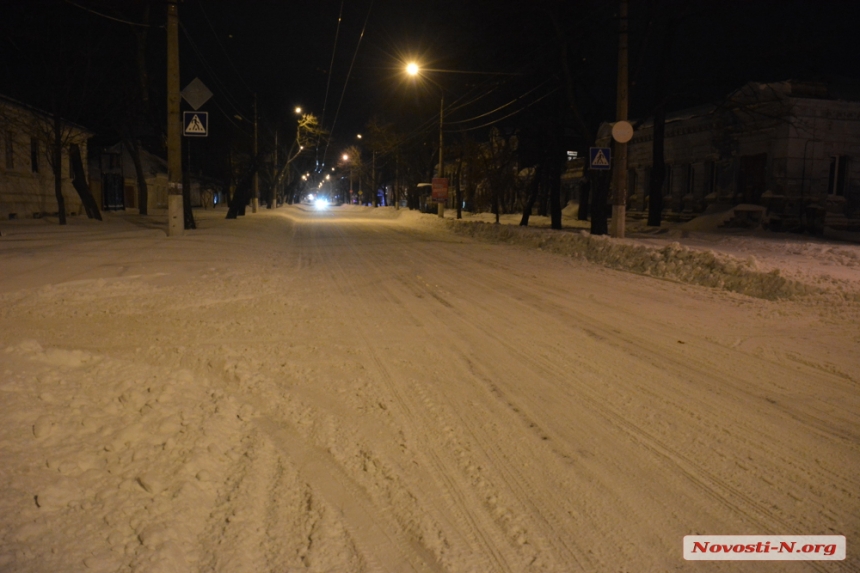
{"points": [[10, 153], [34, 155], [838, 174]]}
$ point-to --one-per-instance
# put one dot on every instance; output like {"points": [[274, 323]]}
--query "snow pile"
{"points": [[673, 261]]}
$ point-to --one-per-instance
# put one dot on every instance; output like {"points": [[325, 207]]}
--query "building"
{"points": [[790, 148], [114, 178], [115, 185], [27, 184]]}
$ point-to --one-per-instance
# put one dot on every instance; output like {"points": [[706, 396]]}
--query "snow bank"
{"points": [[673, 261]]}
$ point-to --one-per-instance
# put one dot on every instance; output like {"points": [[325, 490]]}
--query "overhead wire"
{"points": [[328, 83], [346, 82], [513, 113], [503, 106], [223, 49], [120, 20], [225, 93]]}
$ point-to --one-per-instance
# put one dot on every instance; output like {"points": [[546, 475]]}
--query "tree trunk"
{"points": [[496, 206], [584, 188], [242, 195], [79, 181], [187, 213], [600, 192], [458, 194], [57, 167], [658, 169], [534, 185], [133, 146], [555, 171]]}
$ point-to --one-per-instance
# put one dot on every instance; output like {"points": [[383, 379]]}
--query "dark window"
{"points": [[838, 174], [10, 153], [34, 155]]}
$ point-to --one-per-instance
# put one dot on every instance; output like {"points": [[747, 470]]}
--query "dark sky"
{"points": [[283, 51]]}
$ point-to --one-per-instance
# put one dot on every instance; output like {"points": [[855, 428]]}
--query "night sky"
{"points": [[294, 53]]}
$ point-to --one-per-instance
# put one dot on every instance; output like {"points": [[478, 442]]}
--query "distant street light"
{"points": [[412, 69]]}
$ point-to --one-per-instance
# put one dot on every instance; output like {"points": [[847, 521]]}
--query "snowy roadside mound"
{"points": [[673, 261]]}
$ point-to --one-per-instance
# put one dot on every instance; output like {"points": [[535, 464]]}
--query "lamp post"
{"points": [[413, 70]]}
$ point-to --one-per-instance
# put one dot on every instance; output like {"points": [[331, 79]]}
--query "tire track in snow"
{"points": [[716, 487], [473, 525], [515, 481], [383, 545]]}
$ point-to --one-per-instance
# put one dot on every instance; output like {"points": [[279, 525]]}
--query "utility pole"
{"points": [[175, 214], [275, 183], [255, 201], [441, 206], [619, 198]]}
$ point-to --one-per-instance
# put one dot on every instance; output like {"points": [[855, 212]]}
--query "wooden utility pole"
{"points": [[255, 200], [619, 172], [441, 206], [175, 215]]}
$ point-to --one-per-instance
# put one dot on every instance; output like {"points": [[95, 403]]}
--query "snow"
{"points": [[358, 389]]}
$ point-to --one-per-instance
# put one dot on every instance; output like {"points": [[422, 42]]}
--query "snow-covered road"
{"points": [[363, 390]]}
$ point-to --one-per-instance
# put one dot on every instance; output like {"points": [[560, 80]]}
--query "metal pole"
{"points": [[619, 200], [175, 215]]}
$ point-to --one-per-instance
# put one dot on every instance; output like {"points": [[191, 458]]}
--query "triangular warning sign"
{"points": [[195, 125], [599, 159]]}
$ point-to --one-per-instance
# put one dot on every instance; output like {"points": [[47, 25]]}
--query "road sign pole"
{"points": [[619, 199], [175, 215]]}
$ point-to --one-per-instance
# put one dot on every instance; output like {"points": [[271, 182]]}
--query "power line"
{"points": [[348, 74], [503, 106], [513, 113], [223, 49], [328, 84], [225, 92], [121, 21]]}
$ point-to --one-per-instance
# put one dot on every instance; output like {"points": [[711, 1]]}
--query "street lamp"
{"points": [[414, 70]]}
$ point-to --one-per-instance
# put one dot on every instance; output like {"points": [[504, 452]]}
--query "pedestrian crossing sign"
{"points": [[195, 123], [599, 157]]}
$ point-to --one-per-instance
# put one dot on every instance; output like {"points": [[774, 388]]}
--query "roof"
{"points": [[35, 110]]}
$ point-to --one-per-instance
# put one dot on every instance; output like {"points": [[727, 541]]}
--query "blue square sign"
{"points": [[599, 157]]}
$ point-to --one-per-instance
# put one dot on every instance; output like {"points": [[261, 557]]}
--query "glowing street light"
{"points": [[298, 109], [412, 69]]}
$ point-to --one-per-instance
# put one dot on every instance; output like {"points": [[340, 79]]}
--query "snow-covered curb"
{"points": [[674, 262]]}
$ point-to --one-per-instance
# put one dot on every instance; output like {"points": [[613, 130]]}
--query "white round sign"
{"points": [[622, 131]]}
